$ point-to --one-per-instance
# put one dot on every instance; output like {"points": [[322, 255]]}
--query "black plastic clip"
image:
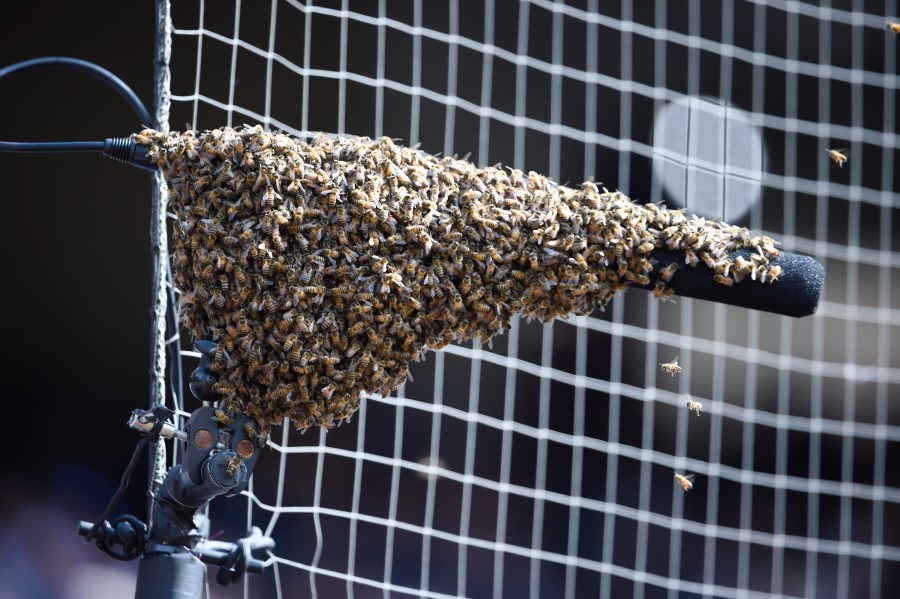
{"points": [[236, 559], [126, 531]]}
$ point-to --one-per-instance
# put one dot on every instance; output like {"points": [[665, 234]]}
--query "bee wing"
{"points": [[690, 477], [675, 360]]}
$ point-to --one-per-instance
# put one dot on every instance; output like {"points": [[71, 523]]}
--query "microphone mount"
{"points": [[220, 452]]}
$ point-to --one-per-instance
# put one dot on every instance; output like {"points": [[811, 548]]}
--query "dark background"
{"points": [[76, 293]]}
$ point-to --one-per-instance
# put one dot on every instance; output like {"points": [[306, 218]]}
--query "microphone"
{"points": [[797, 292], [321, 269]]}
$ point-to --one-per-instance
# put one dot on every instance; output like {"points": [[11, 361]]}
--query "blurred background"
{"points": [[724, 108], [77, 297]]}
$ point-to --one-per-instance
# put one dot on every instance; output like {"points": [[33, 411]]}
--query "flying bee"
{"points": [[694, 406], [233, 465], [685, 480], [838, 156], [671, 367], [893, 27]]}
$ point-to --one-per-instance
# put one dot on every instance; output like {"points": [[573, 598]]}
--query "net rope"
{"points": [[543, 463]]}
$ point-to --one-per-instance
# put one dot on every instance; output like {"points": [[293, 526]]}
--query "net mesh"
{"points": [[543, 464]]}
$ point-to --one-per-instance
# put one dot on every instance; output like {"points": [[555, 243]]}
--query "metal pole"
{"points": [[170, 576]]}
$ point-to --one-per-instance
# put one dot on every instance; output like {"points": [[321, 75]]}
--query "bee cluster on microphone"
{"points": [[322, 269]]}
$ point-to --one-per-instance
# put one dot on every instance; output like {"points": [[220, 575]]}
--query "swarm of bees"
{"points": [[322, 269]]}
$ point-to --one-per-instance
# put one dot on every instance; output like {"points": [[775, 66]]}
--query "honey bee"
{"points": [[671, 367], [289, 342], [694, 406], [685, 480], [838, 156], [222, 417], [645, 248], [243, 326], [457, 300], [221, 356], [482, 307], [224, 388], [690, 257], [723, 280], [466, 284], [666, 273], [268, 197], [893, 27], [294, 356], [233, 465]]}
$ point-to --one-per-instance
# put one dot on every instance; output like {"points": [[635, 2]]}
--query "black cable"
{"points": [[123, 486], [83, 66], [51, 146], [122, 149], [162, 413]]}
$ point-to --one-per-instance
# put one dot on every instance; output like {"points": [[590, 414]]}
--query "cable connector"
{"points": [[125, 149]]}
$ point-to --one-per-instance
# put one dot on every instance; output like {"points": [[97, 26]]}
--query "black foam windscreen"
{"points": [[796, 292]]}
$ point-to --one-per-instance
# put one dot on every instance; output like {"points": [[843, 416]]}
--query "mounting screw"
{"points": [[203, 438]]}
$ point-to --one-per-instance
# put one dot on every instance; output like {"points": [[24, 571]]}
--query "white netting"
{"points": [[543, 465]]}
